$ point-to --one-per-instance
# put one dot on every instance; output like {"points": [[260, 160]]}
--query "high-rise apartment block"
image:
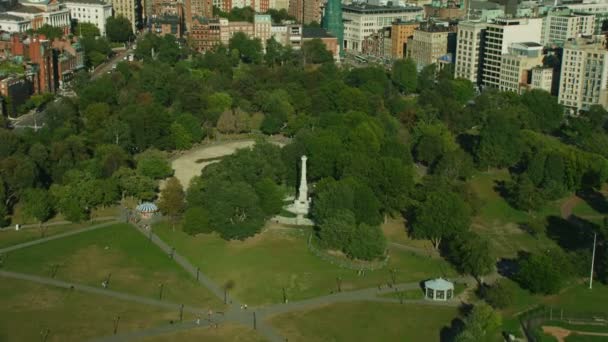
{"points": [[469, 50], [401, 31], [516, 66], [130, 9], [559, 26], [498, 38], [542, 78], [305, 11], [362, 20], [584, 73], [428, 44], [95, 12]]}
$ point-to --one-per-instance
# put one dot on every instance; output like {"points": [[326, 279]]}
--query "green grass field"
{"points": [[136, 265], [500, 222], [29, 308], [11, 237], [263, 265], [579, 300], [363, 321], [226, 332]]}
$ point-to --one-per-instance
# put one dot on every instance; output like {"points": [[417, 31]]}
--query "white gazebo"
{"points": [[438, 289]]}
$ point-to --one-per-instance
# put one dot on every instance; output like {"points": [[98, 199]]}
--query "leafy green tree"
{"points": [[405, 75], [86, 30], [172, 200], [481, 324], [471, 254], [192, 126], [500, 294], [314, 51], [196, 220], [499, 142], [546, 113], [337, 230], [50, 32], [234, 210], [119, 29], [455, 165], [19, 173], [271, 196], [38, 204], [111, 158], [135, 184], [543, 272], [442, 214], [367, 243], [154, 164], [274, 52], [180, 136], [426, 78], [249, 50], [432, 142], [524, 195]]}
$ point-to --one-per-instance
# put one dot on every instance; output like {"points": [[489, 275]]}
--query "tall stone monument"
{"points": [[301, 205]]}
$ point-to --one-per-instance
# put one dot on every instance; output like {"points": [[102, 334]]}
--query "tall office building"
{"points": [[516, 66], [584, 73], [332, 22], [469, 51], [305, 11], [401, 32], [559, 26], [498, 38], [428, 44], [130, 9]]}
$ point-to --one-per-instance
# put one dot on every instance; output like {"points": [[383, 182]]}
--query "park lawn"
{"points": [[395, 231], [136, 266], [366, 321], [585, 338], [10, 236], [261, 266], [29, 308], [224, 332], [579, 300], [500, 222]]}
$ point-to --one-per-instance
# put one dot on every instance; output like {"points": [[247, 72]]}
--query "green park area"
{"points": [[132, 263], [278, 259], [363, 321], [11, 237], [225, 332], [31, 311]]}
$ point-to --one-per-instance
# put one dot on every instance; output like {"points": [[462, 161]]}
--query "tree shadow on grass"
{"points": [[595, 200], [448, 334], [571, 234]]}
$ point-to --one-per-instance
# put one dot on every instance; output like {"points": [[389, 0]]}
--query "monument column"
{"points": [[303, 190]]}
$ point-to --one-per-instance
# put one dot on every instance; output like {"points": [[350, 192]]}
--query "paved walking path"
{"points": [[155, 331], [102, 291], [186, 265], [235, 313], [58, 236], [56, 223]]}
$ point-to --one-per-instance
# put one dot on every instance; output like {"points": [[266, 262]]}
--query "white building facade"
{"points": [[584, 73], [13, 23], [362, 20], [558, 27], [498, 38], [468, 50], [95, 12]]}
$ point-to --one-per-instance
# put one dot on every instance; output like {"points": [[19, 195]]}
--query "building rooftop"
{"points": [[88, 2], [315, 32], [10, 17], [373, 9], [26, 9], [530, 44]]}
